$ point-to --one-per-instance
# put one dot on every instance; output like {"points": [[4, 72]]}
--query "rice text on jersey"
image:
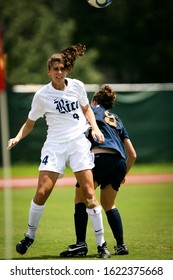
{"points": [[66, 106]]}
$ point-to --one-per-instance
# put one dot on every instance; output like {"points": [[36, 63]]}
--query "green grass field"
{"points": [[24, 170], [146, 210]]}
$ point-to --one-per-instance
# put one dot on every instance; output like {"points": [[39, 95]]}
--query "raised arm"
{"points": [[26, 128]]}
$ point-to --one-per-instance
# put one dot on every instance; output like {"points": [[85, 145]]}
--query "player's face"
{"points": [[58, 73]]}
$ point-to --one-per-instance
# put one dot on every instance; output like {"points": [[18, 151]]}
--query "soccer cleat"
{"points": [[121, 250], [23, 245], [78, 249], [103, 251]]}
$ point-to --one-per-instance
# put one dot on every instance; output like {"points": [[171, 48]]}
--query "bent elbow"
{"points": [[134, 156]]}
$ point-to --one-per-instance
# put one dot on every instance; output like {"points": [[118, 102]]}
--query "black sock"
{"points": [[114, 220], [80, 220]]}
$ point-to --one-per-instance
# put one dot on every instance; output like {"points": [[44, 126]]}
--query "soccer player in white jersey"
{"points": [[64, 104]]}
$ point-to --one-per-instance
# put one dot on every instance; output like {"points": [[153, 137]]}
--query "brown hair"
{"points": [[105, 97], [67, 56]]}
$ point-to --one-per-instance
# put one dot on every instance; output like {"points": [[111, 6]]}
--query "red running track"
{"points": [[70, 181]]}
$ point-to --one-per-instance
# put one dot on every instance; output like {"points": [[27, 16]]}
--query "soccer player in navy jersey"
{"points": [[113, 160]]}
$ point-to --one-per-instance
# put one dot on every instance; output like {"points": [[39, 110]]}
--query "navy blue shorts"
{"points": [[109, 169]]}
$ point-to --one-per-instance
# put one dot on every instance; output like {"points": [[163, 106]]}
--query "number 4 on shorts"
{"points": [[45, 160]]}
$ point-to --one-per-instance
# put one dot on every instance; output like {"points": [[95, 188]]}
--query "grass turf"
{"points": [[25, 170], [146, 212]]}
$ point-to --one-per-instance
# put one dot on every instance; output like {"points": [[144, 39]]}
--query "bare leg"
{"points": [[46, 183]]}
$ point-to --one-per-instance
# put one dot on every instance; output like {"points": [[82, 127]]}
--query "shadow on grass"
{"points": [[51, 257]]}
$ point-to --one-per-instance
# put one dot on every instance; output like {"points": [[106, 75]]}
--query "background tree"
{"points": [[32, 33], [134, 39], [127, 42]]}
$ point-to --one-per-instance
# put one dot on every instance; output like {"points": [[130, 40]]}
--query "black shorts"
{"points": [[109, 169]]}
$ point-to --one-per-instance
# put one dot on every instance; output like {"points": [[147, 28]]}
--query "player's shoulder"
{"points": [[118, 119], [77, 82], [111, 112], [100, 109]]}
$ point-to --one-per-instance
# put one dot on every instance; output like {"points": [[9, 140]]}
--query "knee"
{"points": [[107, 204], [91, 202], [41, 196], [107, 207]]}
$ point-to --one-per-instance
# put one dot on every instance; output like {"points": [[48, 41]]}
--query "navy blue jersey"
{"points": [[112, 128]]}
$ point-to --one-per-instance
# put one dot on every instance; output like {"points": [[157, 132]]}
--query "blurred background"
{"points": [[129, 45]]}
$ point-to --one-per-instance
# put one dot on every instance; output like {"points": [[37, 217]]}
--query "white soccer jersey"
{"points": [[62, 110]]}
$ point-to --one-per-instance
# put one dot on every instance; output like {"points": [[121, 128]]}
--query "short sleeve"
{"points": [[37, 107], [122, 130], [82, 94]]}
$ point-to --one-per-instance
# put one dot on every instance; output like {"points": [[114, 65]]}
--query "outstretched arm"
{"points": [[26, 128]]}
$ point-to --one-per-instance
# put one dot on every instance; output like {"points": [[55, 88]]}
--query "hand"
{"points": [[98, 136], [11, 143]]}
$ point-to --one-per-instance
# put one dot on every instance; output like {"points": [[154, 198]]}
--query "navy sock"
{"points": [[80, 220], [114, 220]]}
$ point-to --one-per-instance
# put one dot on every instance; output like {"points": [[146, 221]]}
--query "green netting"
{"points": [[148, 117]]}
